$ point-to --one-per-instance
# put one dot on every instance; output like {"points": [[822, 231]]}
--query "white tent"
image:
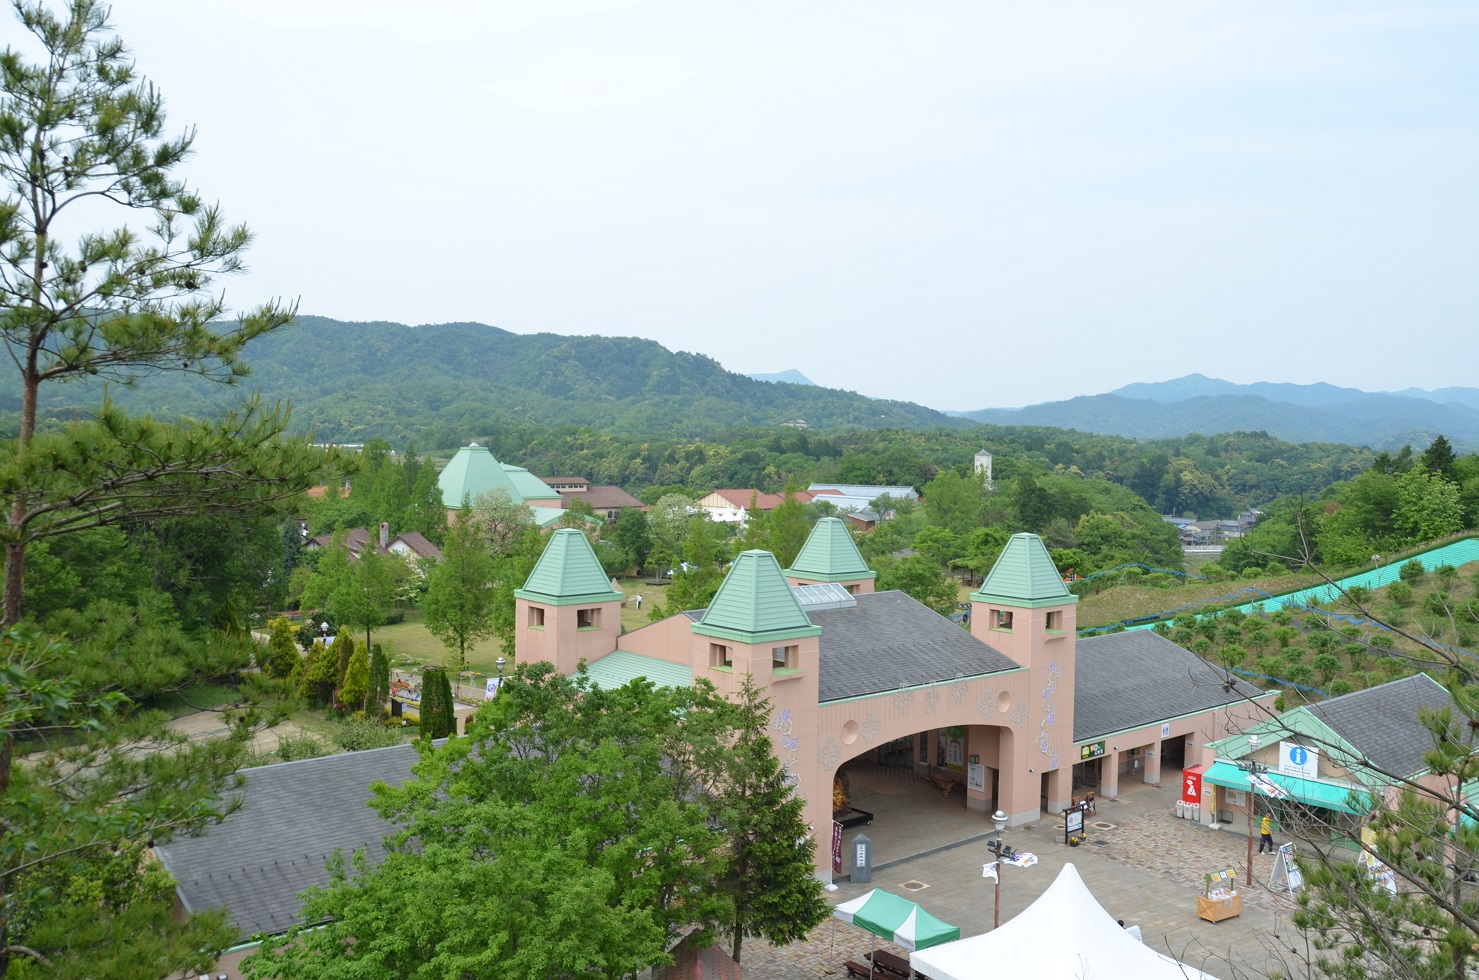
{"points": [[1064, 934]]}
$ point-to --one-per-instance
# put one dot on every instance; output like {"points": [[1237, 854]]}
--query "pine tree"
{"points": [[316, 682], [354, 691], [379, 682], [436, 696], [83, 132], [281, 657]]}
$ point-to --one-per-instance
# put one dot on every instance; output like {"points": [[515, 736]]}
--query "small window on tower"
{"points": [[719, 655], [1003, 619], [1055, 621], [587, 619], [784, 657], [536, 618]]}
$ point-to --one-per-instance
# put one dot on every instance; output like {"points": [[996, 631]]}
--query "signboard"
{"points": [[836, 848], [975, 779], [1166, 730], [1191, 784], [1286, 872], [1074, 820], [1234, 797], [1298, 760], [1091, 751]]}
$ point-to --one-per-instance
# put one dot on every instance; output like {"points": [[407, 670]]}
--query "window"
{"points": [[1003, 619], [785, 657], [536, 618], [1055, 621], [720, 655], [852, 589], [587, 619]]}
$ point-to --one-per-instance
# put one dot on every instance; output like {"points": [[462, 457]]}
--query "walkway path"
{"points": [[1142, 863]]}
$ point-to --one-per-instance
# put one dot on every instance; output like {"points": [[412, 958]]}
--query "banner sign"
{"points": [[1191, 784], [1291, 877], [1091, 751], [836, 847]]}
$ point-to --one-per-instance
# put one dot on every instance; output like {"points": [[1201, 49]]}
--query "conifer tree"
{"points": [[379, 681], [282, 656], [433, 714], [81, 131], [354, 691]]}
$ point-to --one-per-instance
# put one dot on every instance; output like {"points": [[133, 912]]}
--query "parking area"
{"points": [[1141, 862]]}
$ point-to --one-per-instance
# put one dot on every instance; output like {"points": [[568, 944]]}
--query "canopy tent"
{"points": [[896, 919], [1064, 934]]}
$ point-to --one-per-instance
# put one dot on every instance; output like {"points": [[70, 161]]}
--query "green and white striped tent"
{"points": [[896, 919]]}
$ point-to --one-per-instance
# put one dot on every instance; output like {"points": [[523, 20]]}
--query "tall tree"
{"points": [[81, 131], [768, 881], [379, 681], [787, 528], [458, 606], [367, 590]]}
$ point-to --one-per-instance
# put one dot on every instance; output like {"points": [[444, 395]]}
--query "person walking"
{"points": [[639, 600], [1266, 834]]}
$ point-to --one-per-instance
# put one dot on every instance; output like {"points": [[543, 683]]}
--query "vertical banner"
{"points": [[836, 847], [1191, 784]]}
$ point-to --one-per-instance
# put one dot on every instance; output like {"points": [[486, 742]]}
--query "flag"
{"points": [[989, 871], [1269, 787]]}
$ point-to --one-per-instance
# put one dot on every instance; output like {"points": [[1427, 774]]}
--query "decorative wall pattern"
{"points": [[789, 745], [957, 690], [986, 704], [932, 700], [903, 701], [1045, 731], [1019, 714], [870, 728], [829, 756]]}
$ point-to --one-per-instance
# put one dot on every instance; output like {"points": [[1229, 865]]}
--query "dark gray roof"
{"points": [[1125, 680], [296, 814], [889, 639], [1380, 723]]}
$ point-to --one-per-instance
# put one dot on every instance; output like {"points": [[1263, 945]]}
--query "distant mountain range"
{"points": [[442, 384], [1292, 412]]}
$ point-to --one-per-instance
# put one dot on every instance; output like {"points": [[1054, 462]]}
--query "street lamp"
{"points": [[1376, 569], [500, 663], [1002, 852], [1254, 770], [324, 629]]}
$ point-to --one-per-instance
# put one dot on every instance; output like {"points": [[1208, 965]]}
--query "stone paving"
{"points": [[1142, 863]]}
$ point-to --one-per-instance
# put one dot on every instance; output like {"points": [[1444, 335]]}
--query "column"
{"points": [[1109, 775], [1060, 790], [1153, 764]]}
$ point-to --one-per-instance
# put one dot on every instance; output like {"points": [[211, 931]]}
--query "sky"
{"points": [[962, 204]]}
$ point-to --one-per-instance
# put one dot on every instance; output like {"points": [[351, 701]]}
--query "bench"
{"points": [[856, 969], [896, 965], [947, 784]]}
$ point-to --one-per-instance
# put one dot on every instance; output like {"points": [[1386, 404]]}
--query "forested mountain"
{"points": [[350, 382], [1296, 413]]}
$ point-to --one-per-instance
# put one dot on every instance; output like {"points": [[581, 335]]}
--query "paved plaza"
{"points": [[1141, 862]]}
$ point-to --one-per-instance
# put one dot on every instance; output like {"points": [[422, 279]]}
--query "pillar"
{"points": [[1153, 764], [1060, 790], [1109, 775]]}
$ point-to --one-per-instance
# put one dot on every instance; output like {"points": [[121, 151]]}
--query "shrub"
{"points": [[296, 747], [1412, 571], [356, 734], [1400, 593]]}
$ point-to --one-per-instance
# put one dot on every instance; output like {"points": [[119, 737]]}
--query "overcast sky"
{"points": [[963, 204]]}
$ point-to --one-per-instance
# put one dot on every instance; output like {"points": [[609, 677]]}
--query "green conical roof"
{"points": [[755, 602], [830, 555], [567, 572], [1024, 575], [529, 487], [473, 471]]}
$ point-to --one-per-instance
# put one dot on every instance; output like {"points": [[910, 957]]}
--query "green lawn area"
{"points": [[193, 699], [409, 644]]}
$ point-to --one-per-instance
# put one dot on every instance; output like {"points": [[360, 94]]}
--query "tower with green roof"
{"points": [[567, 611], [831, 555], [755, 626], [474, 471], [1024, 610]]}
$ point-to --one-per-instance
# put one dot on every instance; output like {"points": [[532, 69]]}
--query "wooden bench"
{"points": [[896, 965], [856, 969], [947, 784]]}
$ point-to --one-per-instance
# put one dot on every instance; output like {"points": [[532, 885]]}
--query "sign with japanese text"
{"points": [[1091, 751], [1191, 785], [836, 847]]}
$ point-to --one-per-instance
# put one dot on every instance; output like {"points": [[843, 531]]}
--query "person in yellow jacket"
{"points": [[1266, 834]]}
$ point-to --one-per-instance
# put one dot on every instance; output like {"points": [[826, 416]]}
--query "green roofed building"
{"points": [[474, 471], [831, 555]]}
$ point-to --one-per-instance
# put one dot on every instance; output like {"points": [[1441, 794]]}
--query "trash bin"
{"points": [[1181, 809], [1196, 812]]}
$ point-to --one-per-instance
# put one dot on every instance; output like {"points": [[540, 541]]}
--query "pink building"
{"points": [[1018, 709]]}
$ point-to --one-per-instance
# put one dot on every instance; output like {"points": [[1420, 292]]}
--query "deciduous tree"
{"points": [[458, 606]]}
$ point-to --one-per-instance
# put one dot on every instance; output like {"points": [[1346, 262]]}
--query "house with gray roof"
{"points": [[1339, 759]]}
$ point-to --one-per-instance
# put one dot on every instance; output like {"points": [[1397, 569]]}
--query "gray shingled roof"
{"points": [[296, 814], [1125, 680], [1381, 722], [889, 639]]}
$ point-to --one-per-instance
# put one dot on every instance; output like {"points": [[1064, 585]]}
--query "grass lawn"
{"points": [[633, 618], [193, 699], [410, 645]]}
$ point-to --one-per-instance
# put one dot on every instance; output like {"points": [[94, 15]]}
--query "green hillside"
{"points": [[350, 382]]}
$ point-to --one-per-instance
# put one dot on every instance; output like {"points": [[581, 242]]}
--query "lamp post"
{"points": [[324, 629], [500, 663], [1002, 851], [1376, 569], [1254, 769]]}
